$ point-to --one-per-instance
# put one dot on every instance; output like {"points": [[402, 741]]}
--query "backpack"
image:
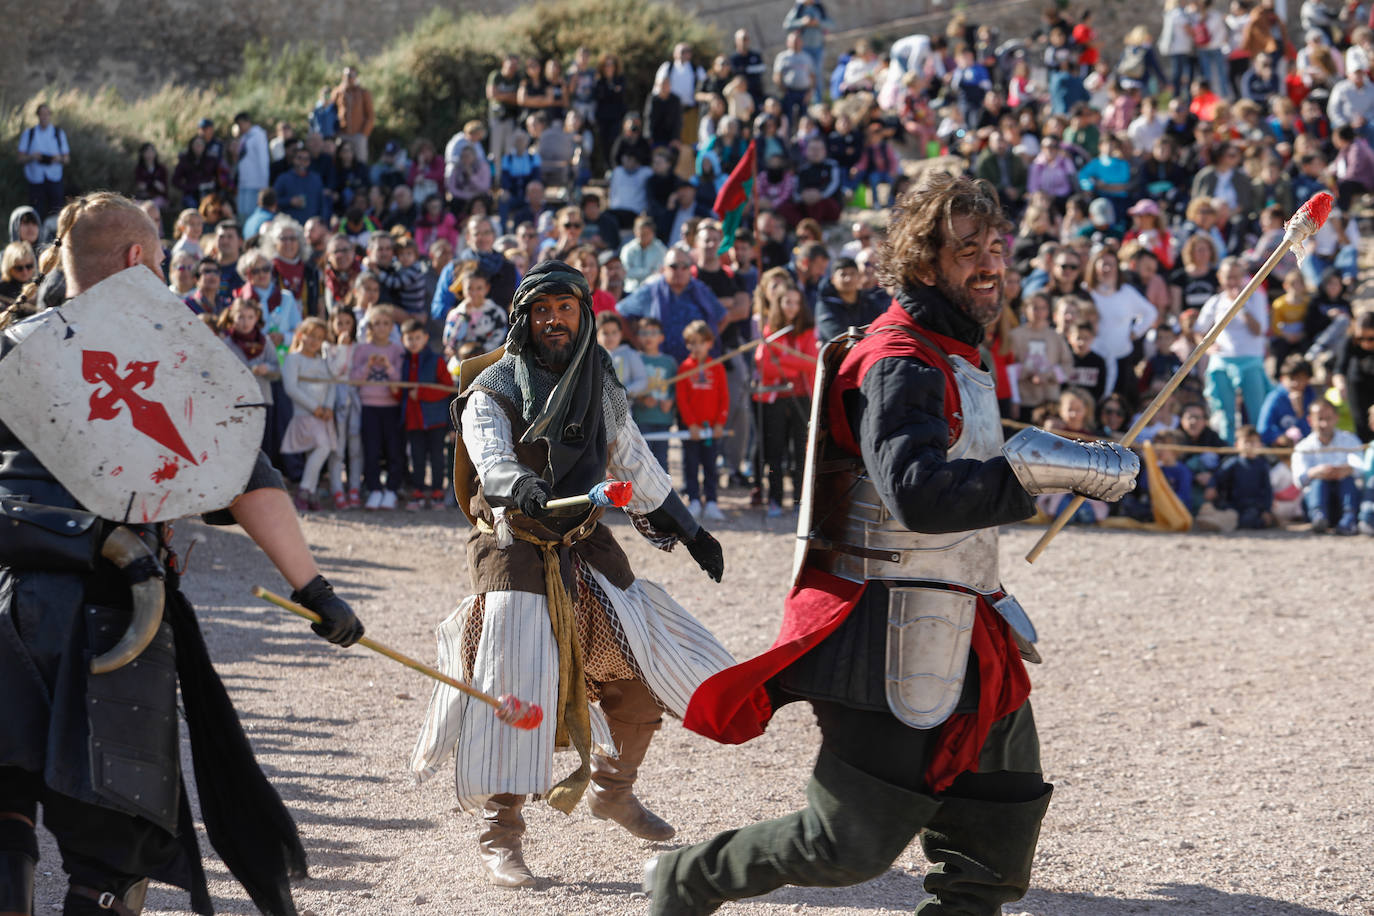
{"points": [[1132, 65], [1202, 36]]}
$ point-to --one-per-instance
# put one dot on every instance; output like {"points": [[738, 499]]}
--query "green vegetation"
{"points": [[424, 84]]}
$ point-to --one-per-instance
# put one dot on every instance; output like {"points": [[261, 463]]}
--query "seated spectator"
{"points": [[351, 179], [818, 187], [583, 259], [642, 255], [676, 299], [150, 177], [426, 173], [469, 178], [1052, 172], [1326, 464], [300, 192], [1004, 169], [1089, 371], [196, 175], [475, 318], [1148, 229], [1242, 483], [1283, 416], [391, 169], [1353, 167], [435, 222], [628, 190], [187, 231]]}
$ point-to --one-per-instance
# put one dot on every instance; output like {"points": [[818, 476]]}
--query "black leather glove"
{"points": [[706, 551], [531, 495], [338, 623]]}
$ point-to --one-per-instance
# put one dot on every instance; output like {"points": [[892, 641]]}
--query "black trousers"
{"points": [[426, 446], [100, 848], [784, 443]]}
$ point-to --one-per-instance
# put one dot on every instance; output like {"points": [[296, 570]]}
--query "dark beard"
{"points": [[963, 300], [555, 357]]}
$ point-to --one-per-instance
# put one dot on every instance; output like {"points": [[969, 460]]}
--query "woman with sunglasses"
{"points": [[16, 269]]}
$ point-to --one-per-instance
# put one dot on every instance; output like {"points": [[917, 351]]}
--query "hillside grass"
{"points": [[425, 83]]}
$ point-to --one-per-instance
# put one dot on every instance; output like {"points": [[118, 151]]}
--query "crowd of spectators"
{"points": [[1143, 186]]}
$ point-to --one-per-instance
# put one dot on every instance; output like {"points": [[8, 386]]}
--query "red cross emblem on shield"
{"points": [[101, 368]]}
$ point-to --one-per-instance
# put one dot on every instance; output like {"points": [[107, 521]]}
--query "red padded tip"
{"points": [[1318, 208], [619, 493], [518, 714]]}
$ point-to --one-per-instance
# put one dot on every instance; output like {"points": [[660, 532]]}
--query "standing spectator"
{"points": [[254, 163], [503, 107], [338, 353], [654, 411], [1226, 181], [628, 190], [1043, 356], [378, 361], [997, 164], [469, 179], [1177, 45], [44, 152], [301, 191], [810, 18], [187, 232], [970, 82], [1124, 317], [843, 303], [426, 415], [324, 116], [683, 77], [664, 115], [242, 331], [337, 275], [1237, 364], [611, 108], [356, 117], [283, 243], [704, 405], [786, 379], [1353, 373], [795, 72], [747, 63], [1326, 465], [1353, 167], [435, 222], [612, 274], [311, 431]]}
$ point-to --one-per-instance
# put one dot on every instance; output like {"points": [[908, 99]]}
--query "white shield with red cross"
{"points": [[133, 404]]}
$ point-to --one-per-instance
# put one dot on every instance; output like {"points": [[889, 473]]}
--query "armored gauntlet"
{"points": [[1046, 463]]}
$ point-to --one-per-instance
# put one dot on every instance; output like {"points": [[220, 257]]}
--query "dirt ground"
{"points": [[1201, 708]]}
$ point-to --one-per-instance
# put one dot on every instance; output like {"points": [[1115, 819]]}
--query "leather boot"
{"points": [[982, 852], [16, 884], [18, 857], [634, 717], [88, 901], [498, 843]]}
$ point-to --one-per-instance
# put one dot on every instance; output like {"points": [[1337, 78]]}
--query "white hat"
{"points": [[1356, 59]]}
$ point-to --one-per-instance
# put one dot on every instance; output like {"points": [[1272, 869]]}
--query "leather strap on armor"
{"points": [[130, 903], [48, 538], [1046, 463]]}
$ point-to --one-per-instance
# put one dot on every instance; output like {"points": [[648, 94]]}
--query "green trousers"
{"points": [[865, 803]]}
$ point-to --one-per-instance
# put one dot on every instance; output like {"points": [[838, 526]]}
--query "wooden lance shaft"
{"points": [[1290, 239], [288, 605]]}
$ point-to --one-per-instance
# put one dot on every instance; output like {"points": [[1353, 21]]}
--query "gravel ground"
{"points": [[1201, 709]]}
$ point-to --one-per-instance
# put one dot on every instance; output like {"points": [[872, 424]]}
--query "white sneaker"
{"points": [[713, 512], [389, 499], [694, 507], [374, 500]]}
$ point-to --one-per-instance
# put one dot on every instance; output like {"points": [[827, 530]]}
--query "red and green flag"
{"points": [[733, 197]]}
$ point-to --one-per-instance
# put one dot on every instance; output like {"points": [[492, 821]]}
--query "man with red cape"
{"points": [[897, 630]]}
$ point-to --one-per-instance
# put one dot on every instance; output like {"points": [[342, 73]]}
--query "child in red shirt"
{"points": [[426, 415], [703, 402]]}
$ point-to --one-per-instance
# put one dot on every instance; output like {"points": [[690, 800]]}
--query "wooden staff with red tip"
{"points": [[607, 494], [1304, 224], [509, 709]]}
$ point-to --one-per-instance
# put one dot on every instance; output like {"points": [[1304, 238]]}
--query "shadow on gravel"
{"points": [[1193, 899], [896, 890]]}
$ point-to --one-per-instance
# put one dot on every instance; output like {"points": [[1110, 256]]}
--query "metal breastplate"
{"points": [[930, 623]]}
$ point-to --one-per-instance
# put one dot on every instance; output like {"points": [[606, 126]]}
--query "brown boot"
{"points": [[628, 706], [498, 843]]}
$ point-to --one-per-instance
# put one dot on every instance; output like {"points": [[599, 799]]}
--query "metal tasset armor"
{"points": [[933, 580]]}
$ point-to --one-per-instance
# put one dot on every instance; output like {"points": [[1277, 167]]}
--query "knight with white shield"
{"points": [[122, 411], [897, 629]]}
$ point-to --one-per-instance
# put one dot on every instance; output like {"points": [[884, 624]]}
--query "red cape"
{"points": [[733, 706]]}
